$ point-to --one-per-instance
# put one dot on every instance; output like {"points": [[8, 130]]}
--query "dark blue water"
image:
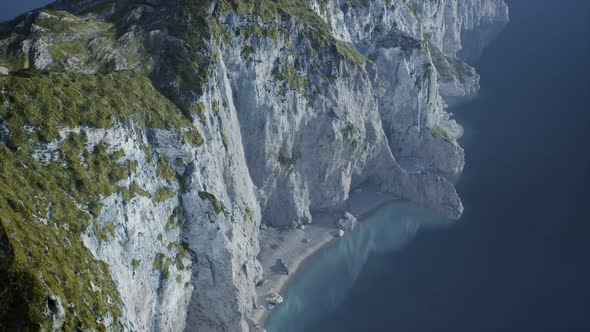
{"points": [[12, 8], [519, 260]]}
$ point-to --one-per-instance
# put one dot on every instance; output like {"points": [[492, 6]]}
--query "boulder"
{"points": [[55, 311], [274, 298], [347, 222], [4, 71]]}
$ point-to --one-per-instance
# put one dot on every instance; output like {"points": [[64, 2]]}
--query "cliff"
{"points": [[145, 142]]}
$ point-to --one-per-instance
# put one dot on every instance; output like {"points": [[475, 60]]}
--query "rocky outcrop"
{"points": [[254, 113], [347, 222], [274, 299]]}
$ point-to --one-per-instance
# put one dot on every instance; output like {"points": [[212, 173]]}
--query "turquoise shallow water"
{"points": [[328, 276]]}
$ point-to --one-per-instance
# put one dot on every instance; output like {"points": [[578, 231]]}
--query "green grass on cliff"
{"points": [[217, 205], [442, 133], [163, 194], [177, 69], [48, 101], [449, 68], [45, 207], [42, 254], [315, 28]]}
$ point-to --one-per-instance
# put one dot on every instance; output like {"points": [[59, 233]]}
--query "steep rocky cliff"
{"points": [[145, 141]]}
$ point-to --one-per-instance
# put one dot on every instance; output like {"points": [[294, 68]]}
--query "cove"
{"points": [[328, 276], [518, 259]]}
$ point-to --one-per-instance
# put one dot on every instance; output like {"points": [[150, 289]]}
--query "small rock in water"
{"points": [[301, 227], [274, 298], [306, 240], [347, 222], [340, 233], [263, 226]]}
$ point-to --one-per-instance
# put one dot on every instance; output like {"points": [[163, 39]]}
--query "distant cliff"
{"points": [[144, 142]]}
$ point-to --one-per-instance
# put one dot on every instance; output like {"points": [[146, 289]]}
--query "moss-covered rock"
{"points": [[217, 204], [40, 223], [442, 133], [163, 194], [48, 101]]}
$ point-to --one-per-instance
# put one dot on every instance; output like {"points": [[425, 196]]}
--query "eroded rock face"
{"points": [[292, 119], [55, 310]]}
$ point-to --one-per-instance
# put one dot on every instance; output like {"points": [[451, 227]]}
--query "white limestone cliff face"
{"points": [[384, 124], [444, 23], [415, 46], [145, 228], [275, 155], [315, 152], [163, 289]]}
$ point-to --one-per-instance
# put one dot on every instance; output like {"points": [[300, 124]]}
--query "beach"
{"points": [[289, 245]]}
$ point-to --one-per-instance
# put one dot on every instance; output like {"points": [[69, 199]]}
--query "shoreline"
{"points": [[289, 246]]}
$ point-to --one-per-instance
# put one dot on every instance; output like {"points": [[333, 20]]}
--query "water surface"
{"points": [[330, 275]]}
